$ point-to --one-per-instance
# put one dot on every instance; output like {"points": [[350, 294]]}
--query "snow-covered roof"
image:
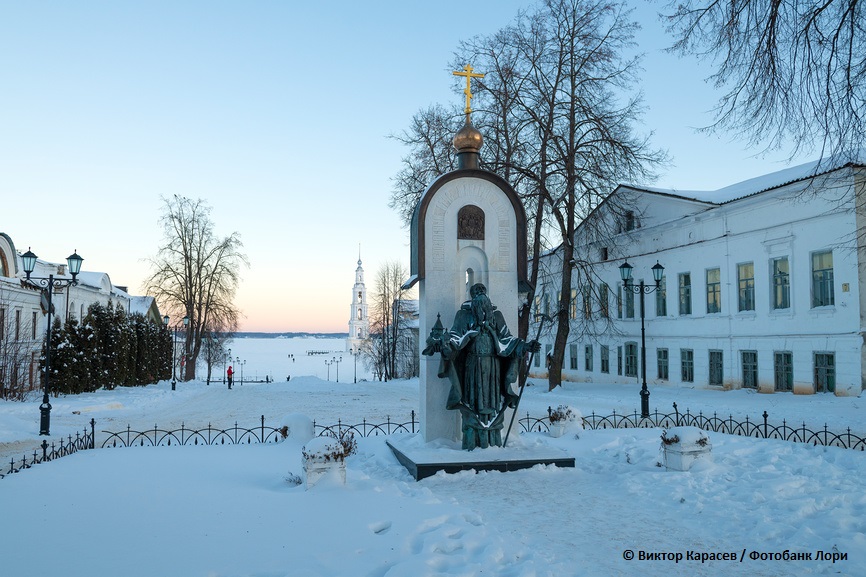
{"points": [[761, 183], [140, 305]]}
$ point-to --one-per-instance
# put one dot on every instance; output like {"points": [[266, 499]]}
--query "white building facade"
{"points": [[763, 287], [23, 311]]}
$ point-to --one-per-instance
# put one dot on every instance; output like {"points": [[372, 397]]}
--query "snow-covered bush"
{"points": [[331, 448], [297, 427], [562, 413]]}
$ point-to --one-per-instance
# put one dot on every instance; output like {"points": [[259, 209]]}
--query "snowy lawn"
{"points": [[228, 511]]}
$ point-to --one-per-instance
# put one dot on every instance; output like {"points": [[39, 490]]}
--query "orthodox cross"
{"points": [[469, 75]]}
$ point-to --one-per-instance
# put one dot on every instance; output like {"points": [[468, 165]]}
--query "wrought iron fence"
{"points": [[210, 435], [761, 429], [82, 441], [236, 435]]}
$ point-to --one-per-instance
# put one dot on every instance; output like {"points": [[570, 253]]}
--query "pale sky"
{"points": [[275, 112]]}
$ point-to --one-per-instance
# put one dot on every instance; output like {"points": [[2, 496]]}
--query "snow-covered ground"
{"points": [[229, 511]]}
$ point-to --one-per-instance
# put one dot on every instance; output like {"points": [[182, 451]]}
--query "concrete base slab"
{"points": [[424, 460]]}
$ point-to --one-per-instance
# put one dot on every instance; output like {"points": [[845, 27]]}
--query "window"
{"points": [[605, 359], [746, 284], [572, 354], [587, 358], [825, 373], [629, 301], [716, 372], [822, 279], [783, 370], [33, 323], [662, 355], [750, 369], [587, 301], [631, 359], [603, 253], [17, 324], [619, 361], [2, 329], [685, 293], [602, 300], [572, 306], [628, 221], [714, 291], [662, 298], [619, 300], [687, 362], [781, 284]]}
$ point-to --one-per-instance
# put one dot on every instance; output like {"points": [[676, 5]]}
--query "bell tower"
{"points": [[359, 322]]}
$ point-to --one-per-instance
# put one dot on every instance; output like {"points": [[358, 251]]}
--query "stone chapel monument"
{"points": [[468, 236]]}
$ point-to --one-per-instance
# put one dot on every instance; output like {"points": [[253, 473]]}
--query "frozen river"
{"points": [[279, 358]]}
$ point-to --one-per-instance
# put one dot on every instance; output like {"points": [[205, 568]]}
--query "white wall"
{"points": [[756, 229]]}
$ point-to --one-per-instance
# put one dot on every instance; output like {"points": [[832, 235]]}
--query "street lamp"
{"points": [[328, 364], [241, 365], [641, 289], [50, 283], [174, 349], [355, 352], [338, 361]]}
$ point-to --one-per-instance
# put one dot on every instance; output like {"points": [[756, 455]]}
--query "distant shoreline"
{"points": [[289, 335]]}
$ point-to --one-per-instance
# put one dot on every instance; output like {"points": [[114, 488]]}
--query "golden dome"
{"points": [[468, 139]]}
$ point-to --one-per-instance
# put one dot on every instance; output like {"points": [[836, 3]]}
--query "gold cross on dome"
{"points": [[469, 75]]}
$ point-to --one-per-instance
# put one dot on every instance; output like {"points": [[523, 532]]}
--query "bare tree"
{"points": [[793, 73], [196, 273], [385, 320], [17, 349], [557, 107]]}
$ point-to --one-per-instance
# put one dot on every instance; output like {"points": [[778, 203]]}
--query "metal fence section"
{"points": [[761, 429], [236, 435], [210, 435], [81, 442], [365, 429]]}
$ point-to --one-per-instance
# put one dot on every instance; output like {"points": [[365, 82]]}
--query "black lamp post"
{"points": [[355, 352], [336, 360], [243, 364], [173, 349], [50, 283], [641, 289], [328, 364]]}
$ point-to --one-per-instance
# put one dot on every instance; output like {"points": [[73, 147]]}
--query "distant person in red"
{"points": [[230, 373]]}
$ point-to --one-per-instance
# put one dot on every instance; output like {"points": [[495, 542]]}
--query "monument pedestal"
{"points": [[424, 460]]}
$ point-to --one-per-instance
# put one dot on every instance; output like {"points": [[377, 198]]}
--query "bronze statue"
{"points": [[481, 358]]}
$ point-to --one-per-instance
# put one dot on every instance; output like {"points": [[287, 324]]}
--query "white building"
{"points": [[23, 308], [359, 321], [763, 286]]}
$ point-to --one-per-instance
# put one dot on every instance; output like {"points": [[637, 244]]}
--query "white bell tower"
{"points": [[359, 322]]}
